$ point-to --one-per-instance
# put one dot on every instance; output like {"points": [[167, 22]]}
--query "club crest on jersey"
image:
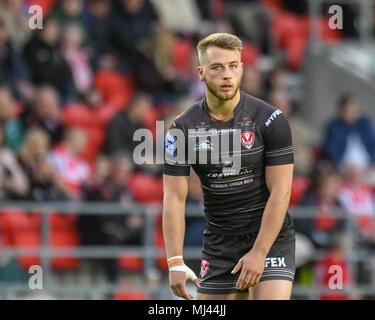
{"points": [[247, 139], [204, 267]]}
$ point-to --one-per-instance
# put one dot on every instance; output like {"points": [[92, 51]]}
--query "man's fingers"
{"points": [[240, 281], [197, 284], [237, 267], [184, 293], [246, 281]]}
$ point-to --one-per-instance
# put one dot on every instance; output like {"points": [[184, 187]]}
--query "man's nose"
{"points": [[227, 74]]}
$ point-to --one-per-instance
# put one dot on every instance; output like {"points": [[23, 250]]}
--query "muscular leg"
{"points": [[230, 296], [272, 290]]}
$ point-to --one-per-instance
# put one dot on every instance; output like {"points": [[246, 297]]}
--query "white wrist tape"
{"points": [[190, 275]]}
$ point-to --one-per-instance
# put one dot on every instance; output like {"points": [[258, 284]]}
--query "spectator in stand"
{"points": [[12, 125], [303, 137], [45, 61], [70, 12], [13, 181], [350, 138], [98, 25], [322, 195], [133, 24], [67, 163], [357, 198], [77, 58], [112, 229], [44, 112], [15, 16], [44, 184], [13, 70], [252, 81], [120, 130]]}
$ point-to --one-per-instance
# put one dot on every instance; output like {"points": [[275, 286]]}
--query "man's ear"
{"points": [[200, 73]]}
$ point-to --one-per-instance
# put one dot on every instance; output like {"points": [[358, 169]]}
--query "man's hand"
{"points": [[177, 281], [252, 266]]}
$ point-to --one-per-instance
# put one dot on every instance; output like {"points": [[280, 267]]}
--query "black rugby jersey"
{"points": [[234, 201]]}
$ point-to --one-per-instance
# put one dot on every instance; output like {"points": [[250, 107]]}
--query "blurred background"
{"points": [[72, 94]]}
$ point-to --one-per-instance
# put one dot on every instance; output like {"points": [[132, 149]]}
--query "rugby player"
{"points": [[249, 243]]}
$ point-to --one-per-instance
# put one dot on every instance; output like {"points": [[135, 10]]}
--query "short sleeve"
{"points": [[277, 138], [175, 151]]}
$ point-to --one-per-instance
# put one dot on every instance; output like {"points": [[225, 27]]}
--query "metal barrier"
{"points": [[147, 251]]}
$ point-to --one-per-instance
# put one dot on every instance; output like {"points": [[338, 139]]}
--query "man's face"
{"points": [[350, 112], [221, 70]]}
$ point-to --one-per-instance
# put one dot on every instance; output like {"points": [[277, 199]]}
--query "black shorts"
{"points": [[221, 253]]}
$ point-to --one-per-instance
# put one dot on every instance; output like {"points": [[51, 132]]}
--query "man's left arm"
{"points": [[279, 165], [279, 182]]}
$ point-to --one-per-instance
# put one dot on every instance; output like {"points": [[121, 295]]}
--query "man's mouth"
{"points": [[226, 87]]}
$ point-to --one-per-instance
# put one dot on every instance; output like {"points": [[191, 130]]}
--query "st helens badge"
{"points": [[247, 139]]}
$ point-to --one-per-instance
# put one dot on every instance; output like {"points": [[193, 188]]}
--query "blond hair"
{"points": [[220, 40]]}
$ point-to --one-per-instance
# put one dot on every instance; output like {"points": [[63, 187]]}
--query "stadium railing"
{"points": [[148, 250]]}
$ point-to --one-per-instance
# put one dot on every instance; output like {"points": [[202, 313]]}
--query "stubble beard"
{"points": [[223, 96]]}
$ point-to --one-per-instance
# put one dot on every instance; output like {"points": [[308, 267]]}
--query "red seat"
{"points": [[115, 88], [146, 189], [95, 138], [127, 291], [46, 5], [181, 55], [64, 233], [275, 5], [130, 263], [299, 187], [27, 238], [77, 115], [250, 54], [21, 230], [161, 262], [104, 114]]}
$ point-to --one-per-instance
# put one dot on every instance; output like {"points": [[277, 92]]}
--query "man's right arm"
{"points": [[175, 193]]}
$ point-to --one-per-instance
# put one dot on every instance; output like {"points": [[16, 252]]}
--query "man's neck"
{"points": [[222, 110]]}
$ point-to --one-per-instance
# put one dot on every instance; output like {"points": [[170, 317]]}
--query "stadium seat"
{"points": [[127, 291], [21, 230], [130, 263], [104, 114], [146, 189], [161, 263], [182, 49], [63, 233], [250, 54], [95, 138], [27, 238], [46, 5], [77, 115], [274, 5], [115, 88], [299, 187]]}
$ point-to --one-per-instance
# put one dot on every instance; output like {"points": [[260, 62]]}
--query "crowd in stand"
{"points": [[73, 93]]}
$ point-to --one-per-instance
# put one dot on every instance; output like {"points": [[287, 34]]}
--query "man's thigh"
{"points": [[272, 290], [229, 296]]}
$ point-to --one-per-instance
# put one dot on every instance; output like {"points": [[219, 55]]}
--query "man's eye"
{"points": [[233, 66], [217, 67]]}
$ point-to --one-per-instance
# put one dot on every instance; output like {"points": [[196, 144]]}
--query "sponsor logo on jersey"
{"points": [[272, 117], [170, 144], [204, 268], [275, 262], [247, 139], [204, 145]]}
